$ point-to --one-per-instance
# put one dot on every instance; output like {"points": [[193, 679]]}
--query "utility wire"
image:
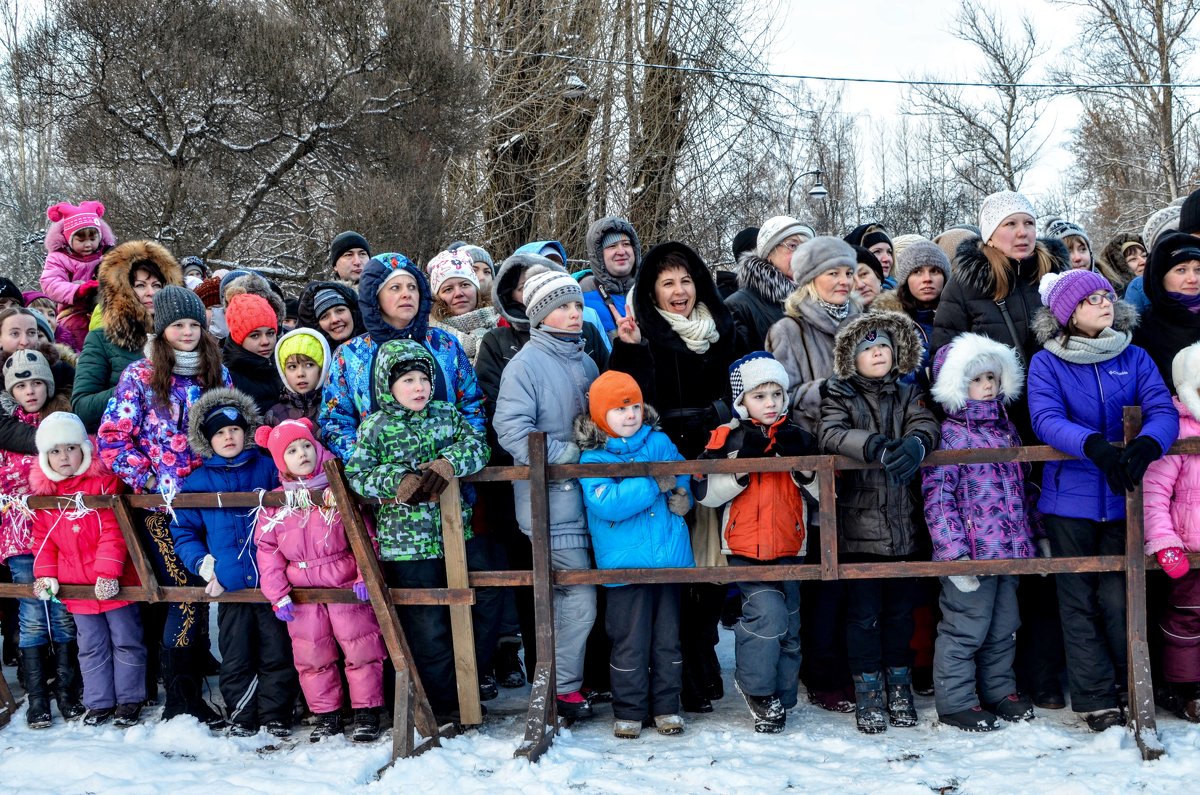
{"points": [[824, 78]]}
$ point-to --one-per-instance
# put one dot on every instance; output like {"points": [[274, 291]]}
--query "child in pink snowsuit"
{"points": [[302, 546], [75, 243]]}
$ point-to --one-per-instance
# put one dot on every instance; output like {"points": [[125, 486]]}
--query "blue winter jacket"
{"points": [[1069, 402], [628, 518], [225, 533]]}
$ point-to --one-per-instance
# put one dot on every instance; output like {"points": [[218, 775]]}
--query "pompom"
{"points": [[1046, 285], [262, 435]]}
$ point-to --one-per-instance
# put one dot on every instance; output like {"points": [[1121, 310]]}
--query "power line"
{"points": [[824, 78]]}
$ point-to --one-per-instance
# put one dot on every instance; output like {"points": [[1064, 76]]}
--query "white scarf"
{"points": [[698, 330]]}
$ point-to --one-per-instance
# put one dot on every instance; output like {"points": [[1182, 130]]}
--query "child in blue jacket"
{"points": [[258, 680], [636, 522]]}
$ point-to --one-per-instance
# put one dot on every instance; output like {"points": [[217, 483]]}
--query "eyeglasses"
{"points": [[1095, 299], [790, 245]]}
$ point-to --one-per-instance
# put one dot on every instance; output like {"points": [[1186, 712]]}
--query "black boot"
{"points": [[329, 724], [768, 713], [507, 663], [183, 682], [901, 711], [33, 670], [366, 726], [68, 682], [868, 703]]}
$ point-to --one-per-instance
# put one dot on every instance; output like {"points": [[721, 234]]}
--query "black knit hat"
{"points": [[1189, 214], [865, 257], [9, 289], [173, 303], [223, 417], [745, 240], [343, 243], [867, 235]]}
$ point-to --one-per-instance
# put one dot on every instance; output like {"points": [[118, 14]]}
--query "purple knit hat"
{"points": [[1062, 292]]}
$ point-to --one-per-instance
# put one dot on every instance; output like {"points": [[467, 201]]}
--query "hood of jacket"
{"points": [[1046, 325], [42, 484], [1112, 261], [57, 241], [757, 274], [255, 284], [595, 234], [210, 400], [906, 344], [307, 316], [507, 278], [972, 269], [126, 322], [378, 268], [325, 362], [390, 354], [589, 435], [536, 247], [1159, 265], [974, 353], [653, 325]]}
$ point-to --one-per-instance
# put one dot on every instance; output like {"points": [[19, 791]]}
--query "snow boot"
{"points": [[769, 715], [33, 670], [487, 688], [366, 726], [573, 706], [831, 700], [99, 717], [901, 711], [127, 715], [1013, 708], [669, 724], [182, 682], [869, 713], [278, 728], [627, 729], [68, 682], [507, 664], [975, 719], [1103, 719], [329, 724]]}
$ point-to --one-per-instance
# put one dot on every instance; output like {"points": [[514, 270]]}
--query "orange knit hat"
{"points": [[247, 312], [610, 391]]}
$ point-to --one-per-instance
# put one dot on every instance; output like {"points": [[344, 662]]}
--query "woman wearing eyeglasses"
{"points": [[765, 278]]}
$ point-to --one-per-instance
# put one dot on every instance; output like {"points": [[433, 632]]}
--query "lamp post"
{"points": [[817, 191]]}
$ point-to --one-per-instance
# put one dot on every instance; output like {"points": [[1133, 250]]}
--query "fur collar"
{"points": [[887, 301], [972, 269], [126, 321], [757, 275], [1046, 325], [588, 435], [211, 400], [974, 353], [906, 345]]}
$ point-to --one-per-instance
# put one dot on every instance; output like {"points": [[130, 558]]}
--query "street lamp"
{"points": [[817, 191]]}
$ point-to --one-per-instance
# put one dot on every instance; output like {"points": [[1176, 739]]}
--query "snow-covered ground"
{"points": [[719, 753]]}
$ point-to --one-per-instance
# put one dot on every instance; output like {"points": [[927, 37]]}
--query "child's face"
{"points": [[566, 318], [412, 390], [1092, 318], [261, 341], [625, 421], [302, 375], [1081, 255], [183, 335], [875, 361], [18, 333], [65, 459], [229, 441], [985, 386], [300, 458], [765, 403], [30, 395], [85, 241]]}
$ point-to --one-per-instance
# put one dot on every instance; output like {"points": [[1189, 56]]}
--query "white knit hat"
{"points": [[778, 229], [451, 265], [999, 206], [61, 427], [752, 371], [1158, 224], [547, 290]]}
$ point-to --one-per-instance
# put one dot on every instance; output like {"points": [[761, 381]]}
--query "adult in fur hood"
{"points": [[764, 277], [1123, 259], [615, 252], [129, 276]]}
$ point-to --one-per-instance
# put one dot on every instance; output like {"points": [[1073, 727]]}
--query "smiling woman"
{"points": [[459, 305]]}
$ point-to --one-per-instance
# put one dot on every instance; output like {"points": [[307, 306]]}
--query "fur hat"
{"points": [[967, 356], [1062, 292], [75, 218], [998, 206], [1162, 221], [921, 254], [343, 243], [778, 229], [28, 365], [613, 389], [1185, 374], [277, 440], [245, 313], [547, 290], [206, 416], [952, 238], [173, 303], [61, 427], [821, 254], [451, 265], [899, 328], [752, 371]]}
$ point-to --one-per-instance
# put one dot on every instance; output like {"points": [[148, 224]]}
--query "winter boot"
{"points": [[127, 715], [669, 724], [487, 688], [1103, 719], [831, 700], [901, 711], [975, 719], [366, 726], [574, 706], [99, 717], [868, 703], [509, 673], [1013, 708], [182, 682], [769, 715], [329, 724], [627, 729], [33, 669], [68, 682]]}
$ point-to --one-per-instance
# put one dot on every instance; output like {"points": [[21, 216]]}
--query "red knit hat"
{"points": [[247, 312], [278, 438], [209, 291], [611, 390]]}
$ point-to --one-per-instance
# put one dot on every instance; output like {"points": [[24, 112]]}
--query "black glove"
{"points": [[873, 449], [837, 387], [902, 459], [1108, 459], [791, 439], [1137, 455], [754, 442]]}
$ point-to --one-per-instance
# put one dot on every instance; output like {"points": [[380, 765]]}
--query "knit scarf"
{"points": [[187, 362], [698, 330], [838, 312], [1189, 302], [1086, 350]]}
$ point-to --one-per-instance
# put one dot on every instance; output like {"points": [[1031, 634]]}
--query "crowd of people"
{"points": [[130, 371]]}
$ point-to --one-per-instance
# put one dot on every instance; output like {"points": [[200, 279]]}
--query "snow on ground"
{"points": [[719, 753]]}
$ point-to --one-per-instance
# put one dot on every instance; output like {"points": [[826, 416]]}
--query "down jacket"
{"points": [[16, 531], [1172, 488], [979, 511], [628, 518], [225, 533], [1070, 402], [64, 271], [875, 516], [76, 550]]}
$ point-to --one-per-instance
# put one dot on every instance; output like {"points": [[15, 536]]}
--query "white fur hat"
{"points": [[1185, 373], [967, 356], [62, 427]]}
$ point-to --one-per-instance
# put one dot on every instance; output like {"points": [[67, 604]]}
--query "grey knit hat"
{"points": [[922, 254], [477, 254], [327, 298], [28, 365], [173, 303], [821, 254], [1157, 225], [547, 290], [1061, 229]]}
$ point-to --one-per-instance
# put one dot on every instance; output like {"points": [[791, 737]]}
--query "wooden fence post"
{"points": [[137, 554], [8, 704], [827, 511], [461, 627]]}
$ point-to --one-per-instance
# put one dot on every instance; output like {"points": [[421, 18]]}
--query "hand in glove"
{"points": [[285, 610], [1108, 459], [568, 455], [679, 502], [360, 592], [207, 568], [1137, 456], [964, 582], [902, 459], [873, 449], [754, 442], [435, 477], [214, 588], [106, 587], [45, 588], [792, 440], [1173, 561], [408, 489], [664, 482], [86, 290]]}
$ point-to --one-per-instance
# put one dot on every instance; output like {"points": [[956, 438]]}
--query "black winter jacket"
{"points": [[758, 303], [253, 374], [1167, 327]]}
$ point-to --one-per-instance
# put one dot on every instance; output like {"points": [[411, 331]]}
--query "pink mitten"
{"points": [[1173, 561]]}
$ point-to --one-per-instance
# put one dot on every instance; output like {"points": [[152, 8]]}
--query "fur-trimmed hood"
{"points": [[589, 436], [44, 484], [595, 234], [126, 322], [1046, 325], [653, 325], [1111, 261], [213, 398], [906, 344], [887, 301], [757, 274], [1185, 374], [254, 284], [507, 277], [967, 356], [972, 269]]}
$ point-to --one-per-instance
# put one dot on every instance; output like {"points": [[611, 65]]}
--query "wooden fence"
{"points": [[415, 729]]}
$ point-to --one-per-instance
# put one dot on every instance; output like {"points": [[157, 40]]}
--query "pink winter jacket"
{"points": [[1172, 495], [63, 272], [16, 529]]}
